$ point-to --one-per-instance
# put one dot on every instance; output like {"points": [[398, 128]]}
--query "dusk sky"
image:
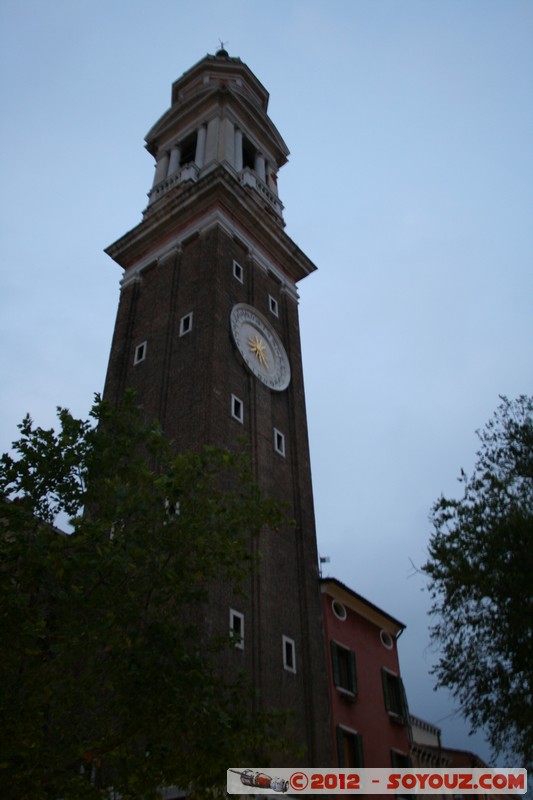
{"points": [[410, 186]]}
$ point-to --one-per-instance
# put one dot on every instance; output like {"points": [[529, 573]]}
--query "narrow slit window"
{"points": [[289, 654], [236, 628], [238, 272], [186, 324], [237, 408], [140, 353], [279, 442], [273, 305]]}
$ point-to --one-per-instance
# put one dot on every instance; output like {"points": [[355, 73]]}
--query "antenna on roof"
{"points": [[323, 560]]}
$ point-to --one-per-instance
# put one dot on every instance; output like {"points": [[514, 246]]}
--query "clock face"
{"points": [[260, 346]]}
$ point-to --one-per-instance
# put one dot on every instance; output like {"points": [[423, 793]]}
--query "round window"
{"points": [[386, 639], [338, 610]]}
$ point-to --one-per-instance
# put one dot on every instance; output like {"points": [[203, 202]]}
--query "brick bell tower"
{"points": [[207, 333]]}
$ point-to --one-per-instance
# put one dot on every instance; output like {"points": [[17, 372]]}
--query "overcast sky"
{"points": [[410, 185]]}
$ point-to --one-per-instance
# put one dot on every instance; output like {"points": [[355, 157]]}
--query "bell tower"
{"points": [[207, 333]]}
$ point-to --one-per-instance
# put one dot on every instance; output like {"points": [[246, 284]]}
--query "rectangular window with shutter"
{"points": [[394, 696], [344, 672], [401, 760], [398, 759], [349, 748]]}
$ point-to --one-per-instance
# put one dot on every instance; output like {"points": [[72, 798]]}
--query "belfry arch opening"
{"points": [[188, 149], [248, 154]]}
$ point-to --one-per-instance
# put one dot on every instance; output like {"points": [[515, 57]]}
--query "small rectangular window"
{"points": [[349, 748], [186, 324], [289, 654], [273, 305], [237, 408], [343, 663], [279, 442], [236, 628], [238, 272], [172, 509], [140, 353], [394, 696]]}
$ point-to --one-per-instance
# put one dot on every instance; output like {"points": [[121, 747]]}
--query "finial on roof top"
{"points": [[222, 52]]}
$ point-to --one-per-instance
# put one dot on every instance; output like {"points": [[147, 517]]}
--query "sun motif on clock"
{"points": [[260, 347], [257, 347]]}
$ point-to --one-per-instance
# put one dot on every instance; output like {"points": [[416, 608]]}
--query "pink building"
{"points": [[369, 713]]}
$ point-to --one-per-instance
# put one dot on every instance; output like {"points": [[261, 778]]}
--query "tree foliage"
{"points": [[480, 568], [106, 676]]}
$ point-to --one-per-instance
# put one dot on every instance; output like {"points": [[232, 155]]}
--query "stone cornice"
{"points": [[215, 218], [225, 68], [203, 105], [217, 197], [336, 589]]}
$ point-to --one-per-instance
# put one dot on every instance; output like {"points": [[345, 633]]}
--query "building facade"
{"points": [[207, 333], [370, 724], [426, 745]]}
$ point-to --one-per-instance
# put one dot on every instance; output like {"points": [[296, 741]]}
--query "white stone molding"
{"points": [[259, 166], [211, 146], [175, 159], [237, 157], [199, 158], [161, 168], [213, 219]]}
